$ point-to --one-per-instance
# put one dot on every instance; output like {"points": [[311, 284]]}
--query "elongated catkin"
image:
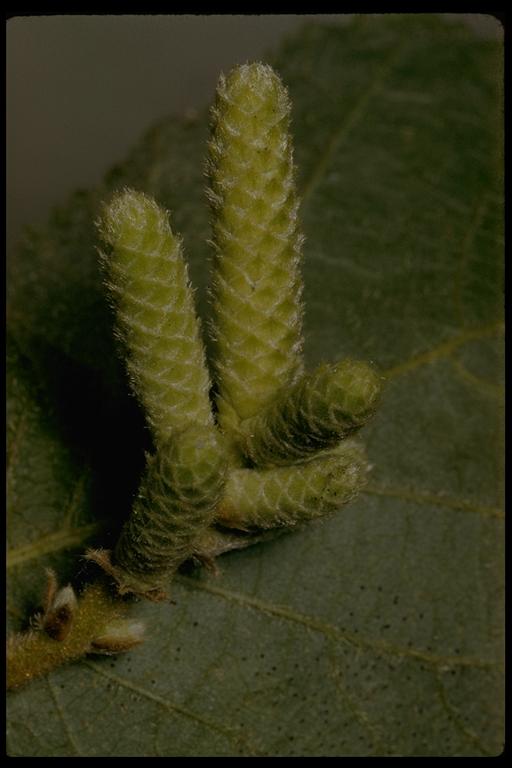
{"points": [[257, 282]]}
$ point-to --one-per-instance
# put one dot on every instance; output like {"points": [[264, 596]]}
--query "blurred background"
{"points": [[81, 90]]}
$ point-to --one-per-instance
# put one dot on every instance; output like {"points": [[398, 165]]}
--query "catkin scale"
{"points": [[256, 284], [287, 496], [313, 415], [58, 617], [148, 284]]}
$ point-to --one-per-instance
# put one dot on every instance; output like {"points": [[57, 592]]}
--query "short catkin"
{"points": [[257, 281], [175, 504], [287, 496], [149, 287], [313, 415]]}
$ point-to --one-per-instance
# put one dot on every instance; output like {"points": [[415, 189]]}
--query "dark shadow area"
{"points": [[102, 428]]}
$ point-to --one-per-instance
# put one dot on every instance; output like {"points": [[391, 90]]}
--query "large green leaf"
{"points": [[378, 631]]}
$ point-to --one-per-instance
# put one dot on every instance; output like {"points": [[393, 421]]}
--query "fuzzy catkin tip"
{"points": [[253, 87], [128, 213]]}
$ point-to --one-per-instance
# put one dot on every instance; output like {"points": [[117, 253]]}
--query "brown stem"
{"points": [[96, 627]]}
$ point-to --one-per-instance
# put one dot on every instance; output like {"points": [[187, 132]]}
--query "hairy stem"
{"points": [[34, 653]]}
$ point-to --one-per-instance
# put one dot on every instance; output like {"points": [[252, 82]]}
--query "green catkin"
{"points": [[313, 415], [287, 496], [175, 504], [148, 283], [272, 415], [257, 282]]}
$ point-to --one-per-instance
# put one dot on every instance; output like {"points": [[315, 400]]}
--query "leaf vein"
{"points": [[443, 350], [334, 632], [229, 733], [342, 131], [358, 712], [60, 712], [421, 497], [486, 387], [13, 452], [53, 542], [454, 716], [467, 242]]}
